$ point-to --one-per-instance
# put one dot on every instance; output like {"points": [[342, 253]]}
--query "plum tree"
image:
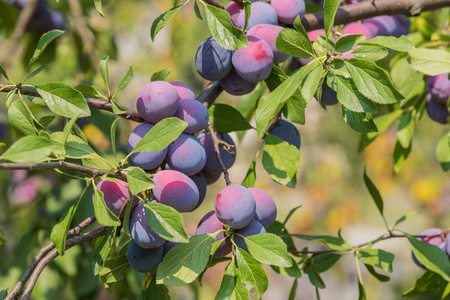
{"points": [[235, 206], [255, 227], [157, 100], [436, 240], [140, 231], [116, 195], [175, 189], [212, 164], [211, 224], [186, 154], [144, 260]]}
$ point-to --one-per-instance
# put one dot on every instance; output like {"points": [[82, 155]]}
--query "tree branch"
{"points": [[367, 9], [62, 165], [214, 3], [17, 290], [87, 237]]}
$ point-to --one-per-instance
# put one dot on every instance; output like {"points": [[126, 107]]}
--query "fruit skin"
{"points": [[269, 33], [176, 190], [234, 9], [435, 240], [235, 206], [436, 110], [116, 195], [255, 227], [235, 85], [144, 260], [254, 62], [287, 132], [439, 87], [212, 61], [140, 232], [329, 96], [184, 91], [200, 181], [210, 224], [312, 35], [186, 154], [212, 164], [358, 28], [382, 25], [288, 10], [211, 177], [157, 100], [194, 113], [146, 160], [266, 209], [260, 13]]}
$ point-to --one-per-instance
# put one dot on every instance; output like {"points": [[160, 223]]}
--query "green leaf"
{"points": [[443, 152], [431, 256], [165, 221], [103, 250], [362, 290], [87, 90], [374, 53], [44, 41], [126, 79], [250, 178], [197, 11], [154, 292], [163, 19], [374, 192], [10, 97], [299, 26], [293, 292], [372, 81], [138, 181], [430, 61], [348, 94], [312, 82], [406, 78], [102, 213], [161, 75], [348, 42], [223, 30], [2, 70], [161, 135], [232, 286], [225, 118], [380, 277], [270, 104], [59, 231], [98, 7], [36, 72], [333, 242], [281, 161], [377, 258], [294, 43], [114, 270], [325, 261], [429, 281], [105, 70], [75, 146], [329, 9], [3, 294], [252, 273], [405, 129], [96, 163], [314, 276], [247, 11], [29, 149], [185, 262], [400, 155], [21, 118], [63, 99], [382, 124], [113, 137], [117, 109], [406, 217], [3, 240], [268, 248], [359, 121], [292, 271], [401, 44]]}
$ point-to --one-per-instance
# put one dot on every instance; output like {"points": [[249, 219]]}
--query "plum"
{"points": [[157, 100], [142, 259], [235, 206]]}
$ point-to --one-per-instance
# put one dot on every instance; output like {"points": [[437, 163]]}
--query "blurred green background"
{"points": [[330, 185]]}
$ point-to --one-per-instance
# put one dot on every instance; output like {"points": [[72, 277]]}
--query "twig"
{"points": [[10, 46], [214, 3], [17, 290], [87, 237], [367, 9], [62, 165], [240, 2], [86, 35], [210, 93], [218, 142]]}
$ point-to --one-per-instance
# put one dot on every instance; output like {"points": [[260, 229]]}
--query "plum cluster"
{"points": [[438, 239], [239, 72], [247, 211], [438, 96], [43, 19]]}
